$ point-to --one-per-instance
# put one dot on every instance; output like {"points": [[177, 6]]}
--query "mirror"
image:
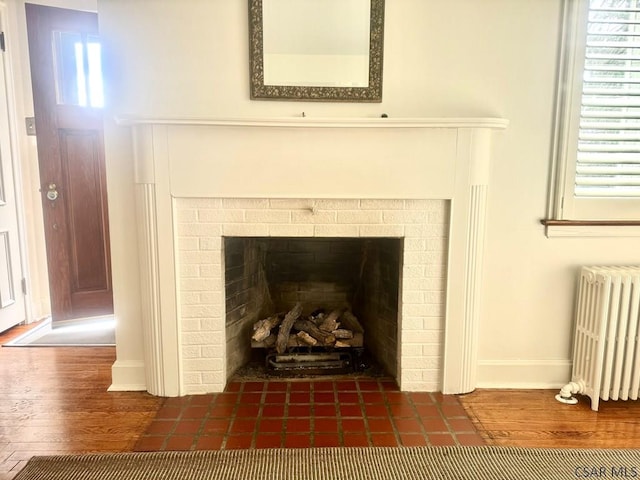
{"points": [[316, 50]]}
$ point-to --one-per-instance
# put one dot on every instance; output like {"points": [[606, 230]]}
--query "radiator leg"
{"points": [[567, 392]]}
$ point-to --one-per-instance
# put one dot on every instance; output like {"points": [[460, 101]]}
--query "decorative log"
{"points": [[342, 333], [306, 338], [356, 341], [285, 327], [270, 341], [330, 322], [309, 327], [317, 316], [341, 344], [350, 321], [262, 328]]}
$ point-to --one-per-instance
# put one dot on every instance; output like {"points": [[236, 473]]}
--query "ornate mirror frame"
{"points": [[371, 93]]}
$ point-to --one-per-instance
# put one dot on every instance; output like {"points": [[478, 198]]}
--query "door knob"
{"points": [[52, 193]]}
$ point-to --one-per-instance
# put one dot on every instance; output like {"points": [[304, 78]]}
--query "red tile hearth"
{"points": [[309, 413]]}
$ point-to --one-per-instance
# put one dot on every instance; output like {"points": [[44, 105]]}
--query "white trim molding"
{"points": [[128, 376], [530, 374]]}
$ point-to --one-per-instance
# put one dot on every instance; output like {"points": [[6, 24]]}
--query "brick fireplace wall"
{"points": [[247, 297], [203, 222], [378, 299]]}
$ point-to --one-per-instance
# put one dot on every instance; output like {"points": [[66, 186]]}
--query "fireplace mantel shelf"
{"points": [[321, 122]]}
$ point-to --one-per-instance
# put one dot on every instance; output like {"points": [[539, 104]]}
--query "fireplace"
{"points": [[414, 189], [348, 288]]}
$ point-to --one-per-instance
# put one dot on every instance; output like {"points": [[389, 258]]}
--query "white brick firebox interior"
{"points": [[422, 180]]}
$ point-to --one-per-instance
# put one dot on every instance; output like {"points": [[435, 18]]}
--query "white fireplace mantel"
{"points": [[370, 158], [322, 122]]}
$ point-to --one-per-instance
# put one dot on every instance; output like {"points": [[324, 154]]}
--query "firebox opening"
{"points": [[265, 276]]}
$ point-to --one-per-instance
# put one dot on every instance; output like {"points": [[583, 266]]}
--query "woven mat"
{"points": [[419, 463]]}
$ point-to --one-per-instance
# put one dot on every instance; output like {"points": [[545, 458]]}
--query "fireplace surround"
{"points": [[206, 225], [422, 181]]}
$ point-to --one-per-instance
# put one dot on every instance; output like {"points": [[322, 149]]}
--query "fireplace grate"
{"points": [[314, 362]]}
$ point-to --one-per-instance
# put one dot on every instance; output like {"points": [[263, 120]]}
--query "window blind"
{"points": [[608, 158]]}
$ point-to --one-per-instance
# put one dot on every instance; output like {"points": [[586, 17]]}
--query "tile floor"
{"points": [[309, 413]]}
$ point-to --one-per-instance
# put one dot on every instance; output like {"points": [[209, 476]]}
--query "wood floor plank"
{"points": [[533, 418], [55, 401]]}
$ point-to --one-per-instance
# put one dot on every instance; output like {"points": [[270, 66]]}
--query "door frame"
{"points": [[17, 179]]}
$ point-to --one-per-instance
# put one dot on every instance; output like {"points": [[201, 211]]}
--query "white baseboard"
{"points": [[127, 376], [532, 374]]}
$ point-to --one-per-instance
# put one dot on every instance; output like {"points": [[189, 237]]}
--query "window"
{"points": [[78, 69], [598, 113]]}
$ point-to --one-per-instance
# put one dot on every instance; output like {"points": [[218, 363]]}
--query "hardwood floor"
{"points": [[533, 418], [55, 401]]}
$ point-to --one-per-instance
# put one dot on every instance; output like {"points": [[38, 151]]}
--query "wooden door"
{"points": [[66, 76], [12, 301]]}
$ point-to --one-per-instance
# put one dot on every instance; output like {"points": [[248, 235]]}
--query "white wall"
{"points": [[442, 58]]}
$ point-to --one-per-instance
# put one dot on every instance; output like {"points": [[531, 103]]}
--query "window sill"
{"points": [[598, 228]]}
